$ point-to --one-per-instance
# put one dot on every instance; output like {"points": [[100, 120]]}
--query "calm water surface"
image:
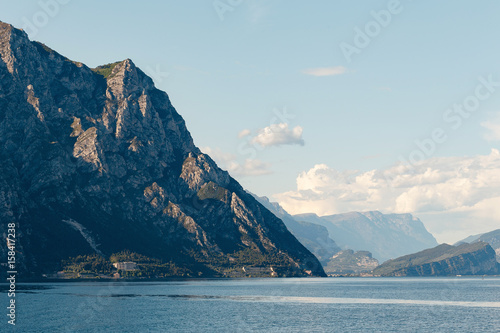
{"points": [[256, 305]]}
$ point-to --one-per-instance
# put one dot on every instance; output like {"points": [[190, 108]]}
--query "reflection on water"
{"points": [[304, 300], [330, 300]]}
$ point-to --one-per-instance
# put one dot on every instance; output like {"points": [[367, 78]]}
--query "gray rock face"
{"points": [[100, 161], [386, 236]]}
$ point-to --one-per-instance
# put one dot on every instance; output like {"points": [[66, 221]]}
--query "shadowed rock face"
{"points": [[465, 259], [99, 161]]}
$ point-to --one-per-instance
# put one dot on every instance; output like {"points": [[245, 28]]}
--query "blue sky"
{"points": [[317, 129]]}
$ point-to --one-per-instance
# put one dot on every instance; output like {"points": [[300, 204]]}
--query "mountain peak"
{"points": [[124, 78], [11, 41], [8, 30]]}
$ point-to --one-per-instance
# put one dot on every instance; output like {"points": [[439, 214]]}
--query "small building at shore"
{"points": [[125, 266]]}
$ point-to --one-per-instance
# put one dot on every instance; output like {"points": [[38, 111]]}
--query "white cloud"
{"points": [[325, 71], [493, 127], [456, 195], [279, 134], [456, 224], [244, 133], [229, 162]]}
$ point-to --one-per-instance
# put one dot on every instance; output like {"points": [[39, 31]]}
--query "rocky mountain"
{"points": [[492, 238], [313, 236], [465, 259], [348, 262], [386, 236], [98, 161]]}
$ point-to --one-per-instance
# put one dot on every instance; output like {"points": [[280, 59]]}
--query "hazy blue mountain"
{"points": [[477, 258], [386, 236], [313, 236], [469, 239], [492, 238], [98, 161]]}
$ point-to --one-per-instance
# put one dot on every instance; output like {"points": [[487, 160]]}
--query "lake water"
{"points": [[272, 305]]}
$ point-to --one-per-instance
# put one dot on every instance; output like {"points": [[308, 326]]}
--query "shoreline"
{"points": [[239, 278]]}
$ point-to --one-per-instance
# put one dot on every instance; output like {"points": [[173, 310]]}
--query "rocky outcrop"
{"points": [[99, 161], [386, 236], [348, 262], [465, 259]]}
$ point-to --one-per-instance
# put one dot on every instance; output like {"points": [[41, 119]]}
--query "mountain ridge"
{"points": [[444, 260]]}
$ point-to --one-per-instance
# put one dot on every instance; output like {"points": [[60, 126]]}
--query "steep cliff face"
{"points": [[99, 161], [443, 260]]}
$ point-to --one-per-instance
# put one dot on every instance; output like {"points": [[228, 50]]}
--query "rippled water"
{"points": [[274, 305]]}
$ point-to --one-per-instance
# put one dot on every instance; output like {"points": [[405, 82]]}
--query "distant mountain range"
{"points": [[99, 162], [386, 236], [313, 236]]}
